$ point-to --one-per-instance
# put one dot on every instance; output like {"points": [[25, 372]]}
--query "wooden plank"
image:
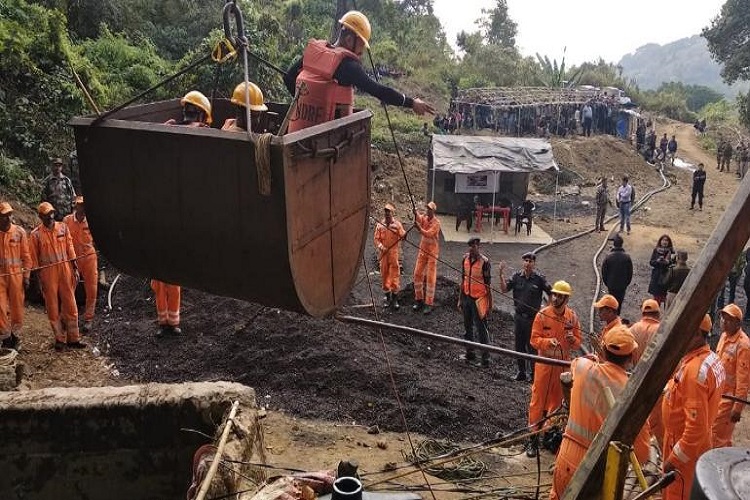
{"points": [[661, 358]]}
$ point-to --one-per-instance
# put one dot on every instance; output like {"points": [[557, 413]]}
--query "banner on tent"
{"points": [[480, 182]]}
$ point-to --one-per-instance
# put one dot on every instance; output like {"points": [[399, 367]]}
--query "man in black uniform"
{"points": [[699, 180], [528, 286]]}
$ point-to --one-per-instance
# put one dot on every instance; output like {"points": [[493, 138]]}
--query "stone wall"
{"points": [[109, 443]]}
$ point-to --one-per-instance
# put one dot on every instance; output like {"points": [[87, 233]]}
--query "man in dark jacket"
{"points": [[617, 271], [699, 180]]}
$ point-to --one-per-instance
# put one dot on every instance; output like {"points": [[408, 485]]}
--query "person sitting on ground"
{"points": [[330, 73], [257, 107]]}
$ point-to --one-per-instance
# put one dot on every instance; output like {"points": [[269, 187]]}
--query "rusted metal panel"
{"points": [[182, 205]]}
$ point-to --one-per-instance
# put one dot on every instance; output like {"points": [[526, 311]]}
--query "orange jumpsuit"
{"points": [[427, 258], [691, 402], [87, 261], [15, 263], [643, 331], [52, 249], [588, 410], [734, 353], [546, 390], [167, 302], [387, 241]]}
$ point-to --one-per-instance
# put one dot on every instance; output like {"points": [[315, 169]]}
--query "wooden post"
{"points": [[661, 358]]}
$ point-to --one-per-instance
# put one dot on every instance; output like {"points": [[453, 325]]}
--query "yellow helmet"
{"points": [[256, 97], [357, 23], [562, 288], [199, 100]]}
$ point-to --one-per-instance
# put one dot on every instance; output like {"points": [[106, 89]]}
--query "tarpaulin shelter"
{"points": [[494, 168]]}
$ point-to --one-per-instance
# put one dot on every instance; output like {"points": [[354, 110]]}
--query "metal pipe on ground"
{"points": [[451, 340]]}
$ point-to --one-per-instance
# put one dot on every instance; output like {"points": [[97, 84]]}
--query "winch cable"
{"points": [[394, 386], [390, 127]]}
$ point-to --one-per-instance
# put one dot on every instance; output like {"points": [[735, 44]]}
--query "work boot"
{"points": [[163, 330], [485, 362], [11, 342], [86, 328], [60, 346], [427, 309], [387, 300], [532, 447], [417, 306], [176, 330], [77, 345], [394, 302]]}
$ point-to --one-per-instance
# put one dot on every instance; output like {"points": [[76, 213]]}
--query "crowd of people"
{"points": [[599, 115], [691, 402]]}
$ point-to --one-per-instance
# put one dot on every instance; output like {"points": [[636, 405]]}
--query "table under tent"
{"points": [[485, 176]]}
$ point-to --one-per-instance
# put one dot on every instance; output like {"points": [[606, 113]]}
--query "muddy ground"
{"points": [[338, 374]]}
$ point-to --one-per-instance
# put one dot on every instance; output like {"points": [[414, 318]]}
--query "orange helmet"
{"points": [[256, 97], [357, 23], [200, 101]]}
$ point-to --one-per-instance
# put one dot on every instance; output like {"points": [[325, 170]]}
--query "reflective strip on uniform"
{"points": [[680, 454]]}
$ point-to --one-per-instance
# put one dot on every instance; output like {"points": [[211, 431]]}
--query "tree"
{"points": [[497, 26], [729, 40], [555, 76]]}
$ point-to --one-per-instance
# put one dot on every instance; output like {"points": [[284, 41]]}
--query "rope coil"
{"points": [[7, 356], [263, 163]]}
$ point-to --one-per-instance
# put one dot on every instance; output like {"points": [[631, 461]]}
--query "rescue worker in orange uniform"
{"points": [[589, 406], [734, 352], [475, 298], [426, 268], [257, 109], [690, 405], [330, 73], [644, 331], [606, 309], [388, 235], [52, 250], [555, 332], [15, 265], [83, 243], [196, 113]]}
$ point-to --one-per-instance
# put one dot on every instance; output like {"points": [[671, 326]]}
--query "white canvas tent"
{"points": [[494, 168]]}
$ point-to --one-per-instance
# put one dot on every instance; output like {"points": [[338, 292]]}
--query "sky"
{"points": [[588, 28]]}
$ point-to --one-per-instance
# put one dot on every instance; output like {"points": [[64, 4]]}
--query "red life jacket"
{"points": [[324, 99]]}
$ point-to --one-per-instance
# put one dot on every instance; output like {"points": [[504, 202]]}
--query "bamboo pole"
{"points": [[219, 452]]}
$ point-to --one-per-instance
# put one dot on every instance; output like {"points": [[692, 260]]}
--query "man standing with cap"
{"points": [[58, 190], [643, 332], [83, 243], [617, 271], [388, 235], [528, 286], [734, 352], [15, 265], [606, 309], [690, 405], [429, 227], [602, 201], [52, 250], [589, 404], [555, 332], [475, 298]]}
